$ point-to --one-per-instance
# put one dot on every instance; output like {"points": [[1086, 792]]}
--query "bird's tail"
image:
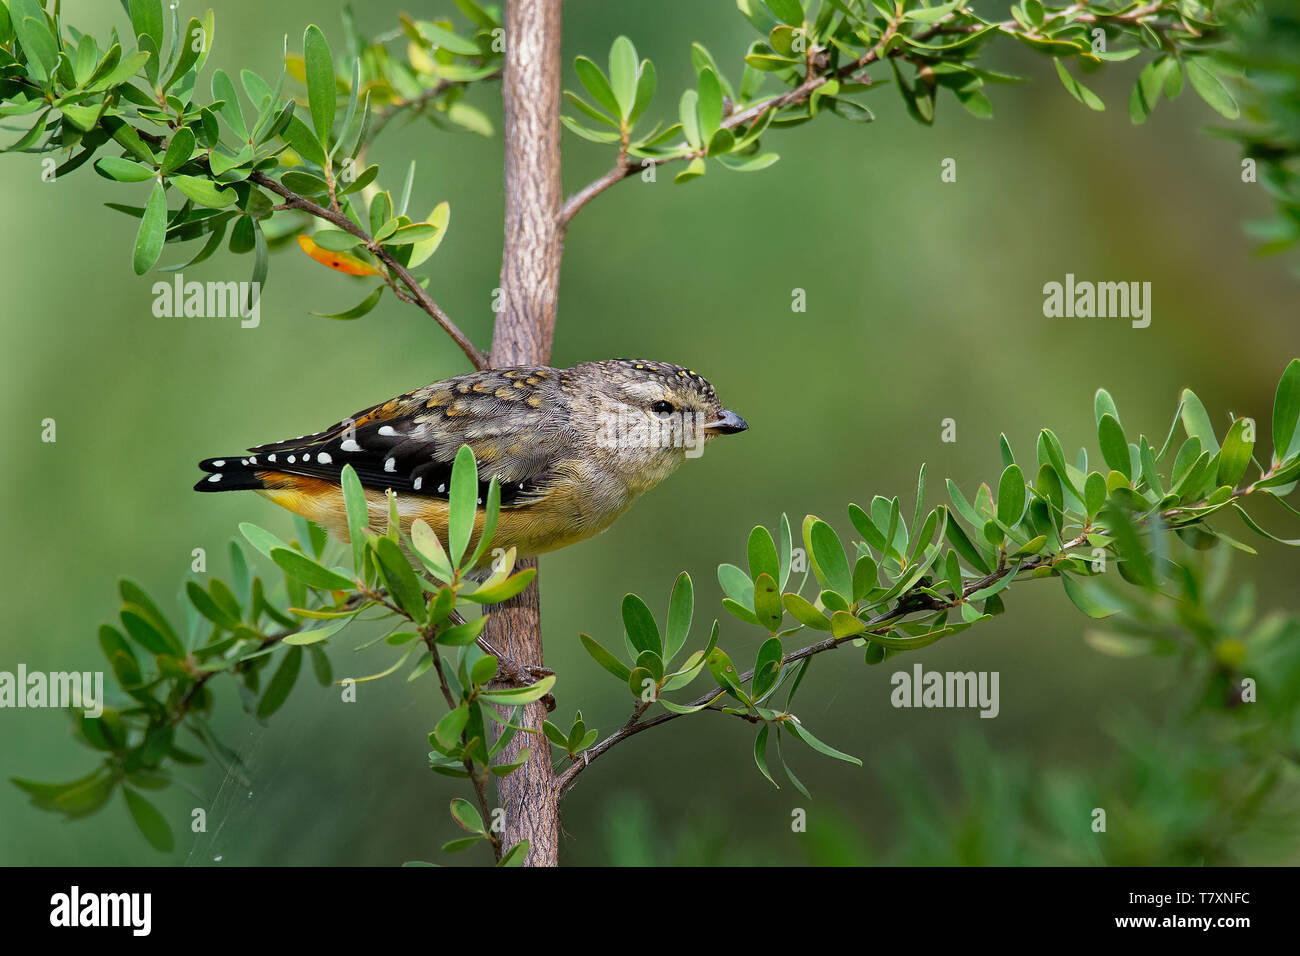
{"points": [[233, 473]]}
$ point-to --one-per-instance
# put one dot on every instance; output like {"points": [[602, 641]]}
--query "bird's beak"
{"points": [[727, 423]]}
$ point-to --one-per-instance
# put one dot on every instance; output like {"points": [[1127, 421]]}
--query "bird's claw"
{"points": [[514, 674]]}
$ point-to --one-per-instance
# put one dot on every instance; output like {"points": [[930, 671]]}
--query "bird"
{"points": [[571, 448]]}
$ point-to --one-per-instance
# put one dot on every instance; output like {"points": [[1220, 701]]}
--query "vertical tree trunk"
{"points": [[530, 279]]}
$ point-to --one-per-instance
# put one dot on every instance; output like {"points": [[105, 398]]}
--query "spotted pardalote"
{"points": [[571, 448]]}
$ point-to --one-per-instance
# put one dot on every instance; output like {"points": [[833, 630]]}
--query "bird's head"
{"points": [[647, 417]]}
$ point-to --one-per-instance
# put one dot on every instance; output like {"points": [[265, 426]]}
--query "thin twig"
{"points": [[907, 603], [813, 81], [418, 295], [480, 786]]}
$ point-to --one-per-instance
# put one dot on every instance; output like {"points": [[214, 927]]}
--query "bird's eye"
{"points": [[662, 407]]}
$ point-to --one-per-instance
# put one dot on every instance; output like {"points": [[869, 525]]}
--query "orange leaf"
{"points": [[339, 261]]}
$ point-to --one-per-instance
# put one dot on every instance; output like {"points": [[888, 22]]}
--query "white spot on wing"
{"points": [[214, 478], [349, 445], [418, 483], [324, 458], [390, 464]]}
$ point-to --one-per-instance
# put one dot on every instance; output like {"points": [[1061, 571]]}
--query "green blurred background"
{"points": [[924, 302]]}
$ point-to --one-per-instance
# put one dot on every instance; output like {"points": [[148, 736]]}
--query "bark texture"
{"points": [[525, 327]]}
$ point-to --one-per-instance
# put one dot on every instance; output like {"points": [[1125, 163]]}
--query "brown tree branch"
{"points": [[417, 294]]}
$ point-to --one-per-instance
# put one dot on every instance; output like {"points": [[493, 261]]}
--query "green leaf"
{"points": [[399, 577], [464, 813], [1114, 446], [449, 41], [725, 673], [147, 19], [319, 67], [1211, 89], [224, 89], [485, 668], [681, 609], [934, 14], [191, 45], [209, 608], [505, 589], [1286, 413], [694, 169], [1088, 600], [282, 681], [748, 164], [364, 307], [37, 41], [1011, 496], [787, 11], [315, 636], [151, 823], [123, 170], [762, 553], [798, 730], [767, 602], [302, 568], [1196, 422], [830, 564], [179, 150], [1130, 547], [204, 191], [354, 500], [760, 754], [709, 105], [439, 219], [767, 667], [805, 613], [623, 75], [642, 631], [448, 729], [520, 695], [605, 659], [304, 142], [515, 856], [152, 232], [462, 634], [463, 503], [1076, 89], [1255, 527], [1235, 454], [645, 91], [597, 85]]}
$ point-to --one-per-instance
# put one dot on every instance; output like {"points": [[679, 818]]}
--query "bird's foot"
{"points": [[511, 673]]}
